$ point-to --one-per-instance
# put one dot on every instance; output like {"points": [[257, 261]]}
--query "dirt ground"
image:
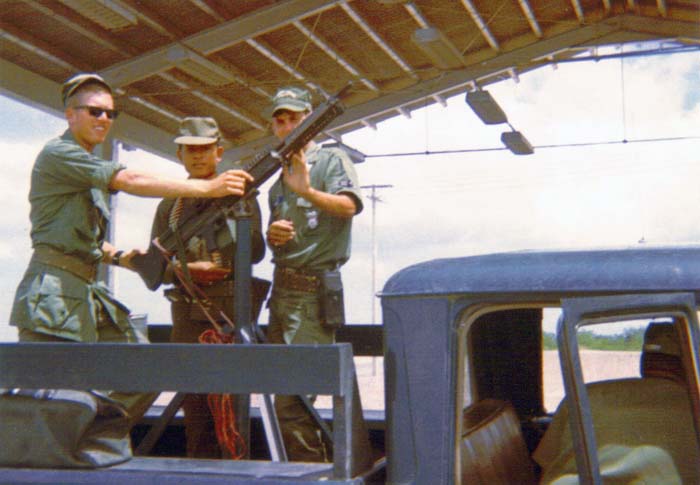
{"points": [[597, 365]]}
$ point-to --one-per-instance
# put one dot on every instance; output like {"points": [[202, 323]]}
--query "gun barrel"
{"points": [[261, 167]]}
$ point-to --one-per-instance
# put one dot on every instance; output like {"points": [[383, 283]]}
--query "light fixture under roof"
{"points": [[517, 143], [198, 66], [486, 108], [436, 47]]}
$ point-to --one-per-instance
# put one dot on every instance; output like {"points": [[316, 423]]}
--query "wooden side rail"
{"points": [[234, 369]]}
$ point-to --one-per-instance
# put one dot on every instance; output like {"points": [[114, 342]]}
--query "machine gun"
{"points": [[151, 265]]}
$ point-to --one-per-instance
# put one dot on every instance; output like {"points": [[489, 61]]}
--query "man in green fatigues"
{"points": [[199, 150], [59, 298], [311, 206]]}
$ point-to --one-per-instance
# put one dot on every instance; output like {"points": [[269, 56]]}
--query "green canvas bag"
{"points": [[56, 428]]}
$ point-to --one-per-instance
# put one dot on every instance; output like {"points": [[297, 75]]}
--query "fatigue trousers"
{"points": [[295, 319], [200, 430], [136, 403]]}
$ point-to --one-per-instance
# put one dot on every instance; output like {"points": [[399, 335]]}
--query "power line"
{"points": [[562, 145], [374, 198]]}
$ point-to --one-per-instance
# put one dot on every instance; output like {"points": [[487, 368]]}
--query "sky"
{"points": [[598, 193]]}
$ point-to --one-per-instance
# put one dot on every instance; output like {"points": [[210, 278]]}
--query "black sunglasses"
{"points": [[97, 112]]}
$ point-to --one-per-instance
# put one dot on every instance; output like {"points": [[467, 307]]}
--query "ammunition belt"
{"points": [[72, 264], [293, 279]]}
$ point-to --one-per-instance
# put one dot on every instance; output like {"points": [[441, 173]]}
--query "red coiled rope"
{"points": [[220, 405]]}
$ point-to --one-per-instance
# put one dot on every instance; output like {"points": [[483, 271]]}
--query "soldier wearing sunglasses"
{"points": [[59, 298]]}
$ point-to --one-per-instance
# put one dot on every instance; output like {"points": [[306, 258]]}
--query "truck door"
{"points": [[579, 312]]}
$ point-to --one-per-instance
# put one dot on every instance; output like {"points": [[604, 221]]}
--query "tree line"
{"points": [[629, 340]]}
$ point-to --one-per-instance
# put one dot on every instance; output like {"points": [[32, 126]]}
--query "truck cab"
{"points": [[465, 365]]}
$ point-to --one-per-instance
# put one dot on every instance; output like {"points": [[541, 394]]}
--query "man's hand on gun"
{"points": [[207, 272], [230, 182], [296, 174]]}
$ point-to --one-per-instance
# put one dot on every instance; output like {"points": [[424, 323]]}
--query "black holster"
{"points": [[331, 299]]}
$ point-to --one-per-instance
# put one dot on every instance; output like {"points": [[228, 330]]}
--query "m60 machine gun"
{"points": [[151, 265]]}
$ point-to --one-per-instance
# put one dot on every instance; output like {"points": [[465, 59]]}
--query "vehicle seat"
{"points": [[492, 449]]}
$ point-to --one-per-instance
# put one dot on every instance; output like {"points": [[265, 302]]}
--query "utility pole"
{"points": [[374, 198]]}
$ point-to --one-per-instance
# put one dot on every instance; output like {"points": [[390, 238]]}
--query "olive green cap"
{"points": [[198, 131], [290, 98], [72, 84]]}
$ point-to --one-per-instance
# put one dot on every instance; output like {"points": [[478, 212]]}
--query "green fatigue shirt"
{"points": [[199, 248], [321, 241], [69, 199]]}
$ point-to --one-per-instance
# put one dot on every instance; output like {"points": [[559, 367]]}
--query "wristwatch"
{"points": [[116, 256]]}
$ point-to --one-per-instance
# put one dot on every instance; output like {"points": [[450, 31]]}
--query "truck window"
{"points": [[635, 385], [509, 354], [502, 355], [608, 351]]}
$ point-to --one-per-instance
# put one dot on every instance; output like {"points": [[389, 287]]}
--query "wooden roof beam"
{"points": [[663, 9], [267, 52], [218, 38], [481, 25], [530, 16], [369, 124], [93, 36], [135, 98], [203, 6], [376, 39], [522, 58], [67, 62], [451, 81], [175, 53], [576, 4], [223, 106], [440, 99], [321, 44], [404, 111], [147, 19], [417, 15], [42, 93], [513, 75], [38, 47]]}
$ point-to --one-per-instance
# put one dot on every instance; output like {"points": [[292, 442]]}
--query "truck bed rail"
{"points": [[237, 369]]}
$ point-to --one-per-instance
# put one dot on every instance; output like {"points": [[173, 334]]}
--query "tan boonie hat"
{"points": [[661, 338], [198, 131], [72, 84], [292, 99]]}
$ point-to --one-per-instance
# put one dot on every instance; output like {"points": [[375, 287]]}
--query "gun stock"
{"points": [[151, 265]]}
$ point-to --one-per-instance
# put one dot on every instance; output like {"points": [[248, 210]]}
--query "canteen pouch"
{"points": [[59, 428], [331, 299]]}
